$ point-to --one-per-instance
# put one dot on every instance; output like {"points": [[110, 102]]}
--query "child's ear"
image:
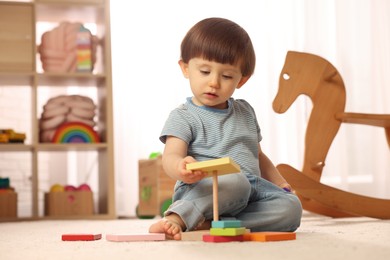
{"points": [[243, 81], [184, 68]]}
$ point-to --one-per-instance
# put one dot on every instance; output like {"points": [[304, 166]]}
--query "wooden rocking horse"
{"points": [[311, 75]]}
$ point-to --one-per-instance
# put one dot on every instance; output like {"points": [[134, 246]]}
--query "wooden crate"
{"points": [[69, 203], [8, 204], [155, 187]]}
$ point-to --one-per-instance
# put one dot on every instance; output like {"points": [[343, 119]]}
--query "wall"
{"points": [[148, 83]]}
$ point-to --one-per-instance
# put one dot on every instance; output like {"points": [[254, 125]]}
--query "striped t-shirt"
{"points": [[214, 133]]}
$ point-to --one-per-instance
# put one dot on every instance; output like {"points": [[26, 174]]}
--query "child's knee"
{"points": [[292, 212], [236, 185]]}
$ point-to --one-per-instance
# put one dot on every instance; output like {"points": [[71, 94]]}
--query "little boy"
{"points": [[217, 57]]}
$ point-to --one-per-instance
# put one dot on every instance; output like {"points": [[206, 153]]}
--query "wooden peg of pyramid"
{"points": [[214, 168]]}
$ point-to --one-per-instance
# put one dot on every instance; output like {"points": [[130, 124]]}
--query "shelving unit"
{"points": [[22, 24]]}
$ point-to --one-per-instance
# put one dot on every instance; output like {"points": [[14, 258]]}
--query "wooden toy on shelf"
{"points": [[69, 47], [10, 136], [84, 50], [75, 132], [68, 119], [4, 183]]}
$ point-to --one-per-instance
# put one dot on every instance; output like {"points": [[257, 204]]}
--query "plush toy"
{"points": [[69, 47]]}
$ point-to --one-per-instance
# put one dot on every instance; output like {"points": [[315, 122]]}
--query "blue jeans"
{"points": [[259, 204]]}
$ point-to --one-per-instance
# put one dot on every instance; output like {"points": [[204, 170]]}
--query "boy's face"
{"points": [[212, 83]]}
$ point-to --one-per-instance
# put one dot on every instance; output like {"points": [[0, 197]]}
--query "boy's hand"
{"points": [[188, 176]]}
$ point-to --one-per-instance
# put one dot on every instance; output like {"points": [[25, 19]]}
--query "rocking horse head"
{"points": [[307, 74], [311, 75]]}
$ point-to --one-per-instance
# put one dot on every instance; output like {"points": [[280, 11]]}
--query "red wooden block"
{"points": [[218, 239], [81, 237], [269, 236]]}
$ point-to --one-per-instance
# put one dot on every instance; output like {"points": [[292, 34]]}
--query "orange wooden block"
{"points": [[269, 236]]}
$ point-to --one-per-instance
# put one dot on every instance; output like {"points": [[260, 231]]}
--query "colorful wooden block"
{"points": [[226, 224], [221, 166], [75, 132], [136, 237], [194, 235], [81, 237], [217, 239], [227, 231], [269, 236]]}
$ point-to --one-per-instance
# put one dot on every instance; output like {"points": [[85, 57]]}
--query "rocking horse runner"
{"points": [[315, 77]]}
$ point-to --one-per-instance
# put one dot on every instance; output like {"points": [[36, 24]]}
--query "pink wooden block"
{"points": [[136, 237]]}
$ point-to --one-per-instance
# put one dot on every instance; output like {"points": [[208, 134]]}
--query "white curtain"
{"points": [[352, 34]]}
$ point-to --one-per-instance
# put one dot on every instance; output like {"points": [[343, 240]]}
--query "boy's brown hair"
{"points": [[220, 40]]}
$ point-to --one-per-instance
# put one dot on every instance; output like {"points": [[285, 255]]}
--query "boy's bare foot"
{"points": [[171, 225]]}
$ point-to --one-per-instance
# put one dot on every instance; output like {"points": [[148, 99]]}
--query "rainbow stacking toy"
{"points": [[75, 132], [228, 230]]}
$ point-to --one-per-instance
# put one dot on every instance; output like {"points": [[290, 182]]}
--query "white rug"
{"points": [[318, 238]]}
